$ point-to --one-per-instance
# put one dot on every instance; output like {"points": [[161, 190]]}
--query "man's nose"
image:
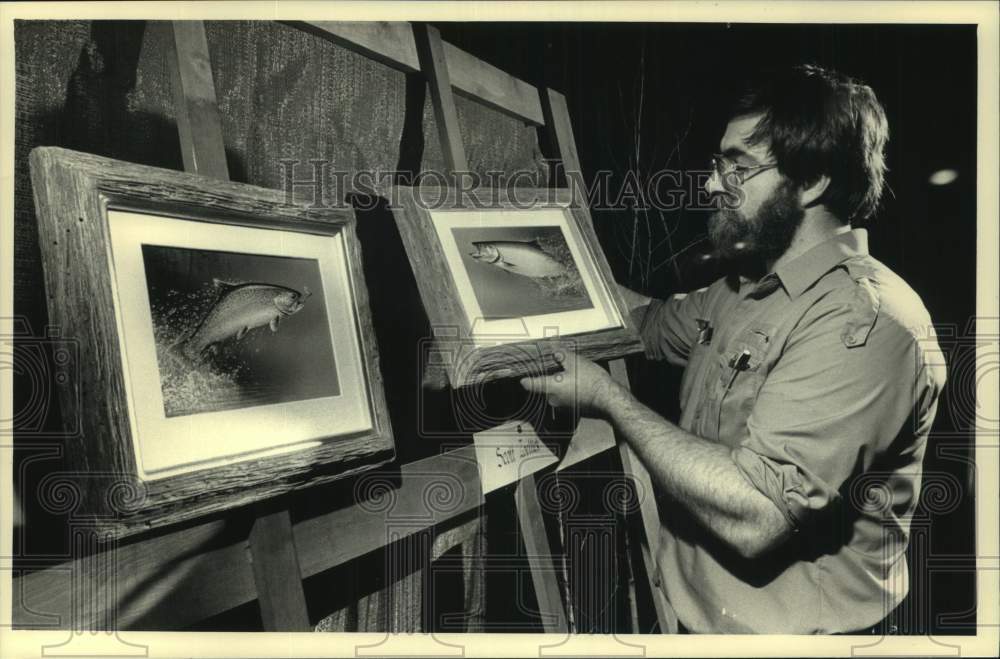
{"points": [[713, 184]]}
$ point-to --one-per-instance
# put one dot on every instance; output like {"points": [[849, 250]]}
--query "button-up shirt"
{"points": [[822, 378]]}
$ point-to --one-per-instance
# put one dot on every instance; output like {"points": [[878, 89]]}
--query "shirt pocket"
{"points": [[700, 352], [743, 367]]}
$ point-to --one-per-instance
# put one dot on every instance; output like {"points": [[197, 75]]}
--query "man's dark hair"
{"points": [[817, 122]]}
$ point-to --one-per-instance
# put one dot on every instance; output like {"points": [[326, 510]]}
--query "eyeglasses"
{"points": [[728, 169]]}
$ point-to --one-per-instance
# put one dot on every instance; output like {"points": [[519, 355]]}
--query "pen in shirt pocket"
{"points": [[738, 362]]}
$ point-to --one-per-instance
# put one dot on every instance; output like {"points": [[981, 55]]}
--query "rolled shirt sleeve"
{"points": [[828, 410], [670, 327]]}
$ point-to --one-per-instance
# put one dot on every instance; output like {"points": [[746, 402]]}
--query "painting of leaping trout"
{"points": [[235, 330], [239, 309]]}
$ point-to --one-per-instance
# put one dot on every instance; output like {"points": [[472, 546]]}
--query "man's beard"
{"points": [[762, 238]]}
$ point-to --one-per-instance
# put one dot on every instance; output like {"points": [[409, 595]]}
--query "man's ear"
{"points": [[811, 193]]}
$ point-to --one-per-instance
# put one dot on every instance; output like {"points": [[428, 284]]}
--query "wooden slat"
{"points": [[275, 566], [448, 539], [390, 43], [407, 586], [540, 558], [470, 539], [560, 131], [398, 607], [649, 541], [474, 578], [393, 45], [485, 83], [195, 106], [435, 69], [344, 534], [633, 603], [174, 580], [159, 582]]}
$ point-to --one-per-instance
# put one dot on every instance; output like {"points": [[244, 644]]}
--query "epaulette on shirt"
{"points": [[865, 303]]}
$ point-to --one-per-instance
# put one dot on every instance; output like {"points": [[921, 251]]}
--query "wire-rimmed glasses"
{"points": [[728, 169]]}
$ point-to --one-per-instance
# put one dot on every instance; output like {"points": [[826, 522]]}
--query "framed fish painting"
{"points": [[505, 275], [224, 340]]}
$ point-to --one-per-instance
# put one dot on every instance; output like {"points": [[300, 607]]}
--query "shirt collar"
{"points": [[805, 269]]}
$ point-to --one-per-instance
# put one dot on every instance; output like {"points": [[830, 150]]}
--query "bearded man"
{"points": [[787, 486]]}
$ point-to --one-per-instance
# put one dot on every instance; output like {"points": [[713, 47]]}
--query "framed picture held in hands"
{"points": [[506, 276], [224, 340]]}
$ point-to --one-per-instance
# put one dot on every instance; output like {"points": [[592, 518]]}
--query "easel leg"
{"points": [[275, 566], [536, 544]]}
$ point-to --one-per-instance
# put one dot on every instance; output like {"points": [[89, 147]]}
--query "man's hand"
{"points": [[582, 384]]}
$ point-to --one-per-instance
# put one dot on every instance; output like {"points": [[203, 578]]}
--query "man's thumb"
{"points": [[532, 384]]}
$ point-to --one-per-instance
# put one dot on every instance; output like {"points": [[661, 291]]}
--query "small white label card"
{"points": [[508, 453]]}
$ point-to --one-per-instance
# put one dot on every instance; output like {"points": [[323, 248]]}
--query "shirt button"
{"points": [[850, 340]]}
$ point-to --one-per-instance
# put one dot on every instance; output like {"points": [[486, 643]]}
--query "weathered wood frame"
{"points": [[73, 194], [412, 208]]}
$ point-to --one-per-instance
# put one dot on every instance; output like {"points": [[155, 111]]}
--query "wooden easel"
{"points": [[272, 547], [173, 580], [435, 66]]}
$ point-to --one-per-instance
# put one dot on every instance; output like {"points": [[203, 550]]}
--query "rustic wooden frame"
{"points": [[73, 193], [412, 209]]}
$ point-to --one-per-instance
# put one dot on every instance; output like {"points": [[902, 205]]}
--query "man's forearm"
{"points": [[699, 474]]}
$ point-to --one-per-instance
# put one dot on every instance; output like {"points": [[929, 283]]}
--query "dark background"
{"points": [[641, 97]]}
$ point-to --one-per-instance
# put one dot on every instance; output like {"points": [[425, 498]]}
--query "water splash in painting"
{"points": [[565, 285], [190, 387]]}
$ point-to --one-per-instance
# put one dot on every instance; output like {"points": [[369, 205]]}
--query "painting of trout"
{"points": [[239, 309], [521, 271], [235, 330], [519, 257]]}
